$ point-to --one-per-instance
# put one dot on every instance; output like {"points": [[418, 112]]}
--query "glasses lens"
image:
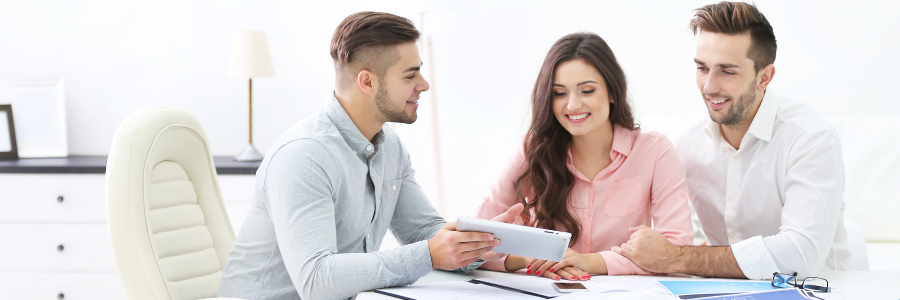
{"points": [[815, 284], [783, 280]]}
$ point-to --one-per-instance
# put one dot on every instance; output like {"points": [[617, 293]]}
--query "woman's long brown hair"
{"points": [[546, 179]]}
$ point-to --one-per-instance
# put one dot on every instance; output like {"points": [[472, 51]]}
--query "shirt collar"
{"points": [[349, 132], [763, 122], [623, 141]]}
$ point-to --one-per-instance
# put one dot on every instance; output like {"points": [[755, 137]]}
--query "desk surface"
{"points": [[97, 165], [849, 284]]}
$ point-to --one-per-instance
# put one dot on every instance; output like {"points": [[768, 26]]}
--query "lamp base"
{"points": [[249, 154]]}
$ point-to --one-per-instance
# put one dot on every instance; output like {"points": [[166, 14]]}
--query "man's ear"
{"points": [[765, 77], [366, 81]]}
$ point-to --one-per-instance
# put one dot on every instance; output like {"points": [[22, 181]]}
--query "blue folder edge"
{"points": [[779, 294], [696, 289]]}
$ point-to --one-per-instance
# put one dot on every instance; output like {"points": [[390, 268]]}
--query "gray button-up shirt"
{"points": [[325, 196]]}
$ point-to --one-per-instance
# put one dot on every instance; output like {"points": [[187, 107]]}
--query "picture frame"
{"points": [[8, 147], [40, 120]]}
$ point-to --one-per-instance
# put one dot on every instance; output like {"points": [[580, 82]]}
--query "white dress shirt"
{"points": [[778, 199]]}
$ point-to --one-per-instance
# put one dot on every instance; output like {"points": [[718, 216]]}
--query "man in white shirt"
{"points": [[765, 174]]}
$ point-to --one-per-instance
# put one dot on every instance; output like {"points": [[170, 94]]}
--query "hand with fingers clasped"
{"points": [[572, 267], [650, 250]]}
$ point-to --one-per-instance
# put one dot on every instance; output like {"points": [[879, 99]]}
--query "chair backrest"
{"points": [[856, 240], [169, 230]]}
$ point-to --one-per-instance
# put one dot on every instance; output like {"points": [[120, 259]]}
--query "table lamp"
{"points": [[250, 58]]}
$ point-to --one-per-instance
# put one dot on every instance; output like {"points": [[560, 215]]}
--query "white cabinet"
{"points": [[52, 198], [54, 240], [56, 247], [54, 243], [60, 285]]}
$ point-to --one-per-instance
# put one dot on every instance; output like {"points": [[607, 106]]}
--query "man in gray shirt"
{"points": [[330, 187]]}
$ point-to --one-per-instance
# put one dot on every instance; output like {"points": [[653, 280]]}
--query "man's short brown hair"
{"points": [[739, 18], [364, 39]]}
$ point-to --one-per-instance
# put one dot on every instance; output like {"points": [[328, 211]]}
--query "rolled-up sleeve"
{"points": [[813, 195], [303, 216]]}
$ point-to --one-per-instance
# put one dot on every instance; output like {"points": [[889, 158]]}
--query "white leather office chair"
{"points": [[856, 240], [170, 234]]}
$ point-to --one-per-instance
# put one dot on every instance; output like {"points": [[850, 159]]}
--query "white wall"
{"points": [[118, 56], [839, 57]]}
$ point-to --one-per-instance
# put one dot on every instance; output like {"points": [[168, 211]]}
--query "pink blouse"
{"points": [[644, 182]]}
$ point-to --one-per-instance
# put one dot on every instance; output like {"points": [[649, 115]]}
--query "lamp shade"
{"points": [[250, 55]]}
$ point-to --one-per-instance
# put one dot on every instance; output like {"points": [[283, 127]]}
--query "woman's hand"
{"points": [[571, 267], [572, 270]]}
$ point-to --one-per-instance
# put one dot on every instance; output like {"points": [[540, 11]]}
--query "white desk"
{"points": [[852, 285]]}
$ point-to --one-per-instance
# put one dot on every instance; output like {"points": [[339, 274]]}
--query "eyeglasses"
{"points": [[784, 280]]}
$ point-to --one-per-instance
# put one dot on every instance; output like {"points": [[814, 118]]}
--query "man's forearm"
{"points": [[343, 275], [715, 262]]}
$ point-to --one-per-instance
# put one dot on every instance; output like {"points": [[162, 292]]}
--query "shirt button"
{"points": [[590, 214], [734, 157], [731, 196], [394, 187], [369, 147], [732, 232], [587, 243]]}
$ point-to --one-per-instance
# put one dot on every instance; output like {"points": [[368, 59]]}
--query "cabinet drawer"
{"points": [[49, 286], [52, 198], [55, 247]]}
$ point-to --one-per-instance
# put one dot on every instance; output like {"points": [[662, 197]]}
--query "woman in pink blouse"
{"points": [[586, 168]]}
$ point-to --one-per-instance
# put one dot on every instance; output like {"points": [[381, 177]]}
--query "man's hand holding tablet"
{"points": [[452, 249], [521, 240]]}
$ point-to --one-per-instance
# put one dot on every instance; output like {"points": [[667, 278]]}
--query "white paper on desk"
{"points": [[631, 283], [534, 284], [456, 290], [636, 295], [597, 284]]}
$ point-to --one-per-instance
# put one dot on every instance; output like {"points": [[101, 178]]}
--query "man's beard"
{"points": [[737, 112], [391, 113]]}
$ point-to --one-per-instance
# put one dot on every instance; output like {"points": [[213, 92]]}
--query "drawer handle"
{"points": [[60, 296], [60, 249], [60, 200]]}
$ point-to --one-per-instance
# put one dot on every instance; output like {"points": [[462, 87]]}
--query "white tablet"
{"points": [[521, 240]]}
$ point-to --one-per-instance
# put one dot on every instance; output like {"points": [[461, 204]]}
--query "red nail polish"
{"points": [[557, 278], [529, 272], [537, 273], [529, 267], [573, 278], [551, 269]]}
